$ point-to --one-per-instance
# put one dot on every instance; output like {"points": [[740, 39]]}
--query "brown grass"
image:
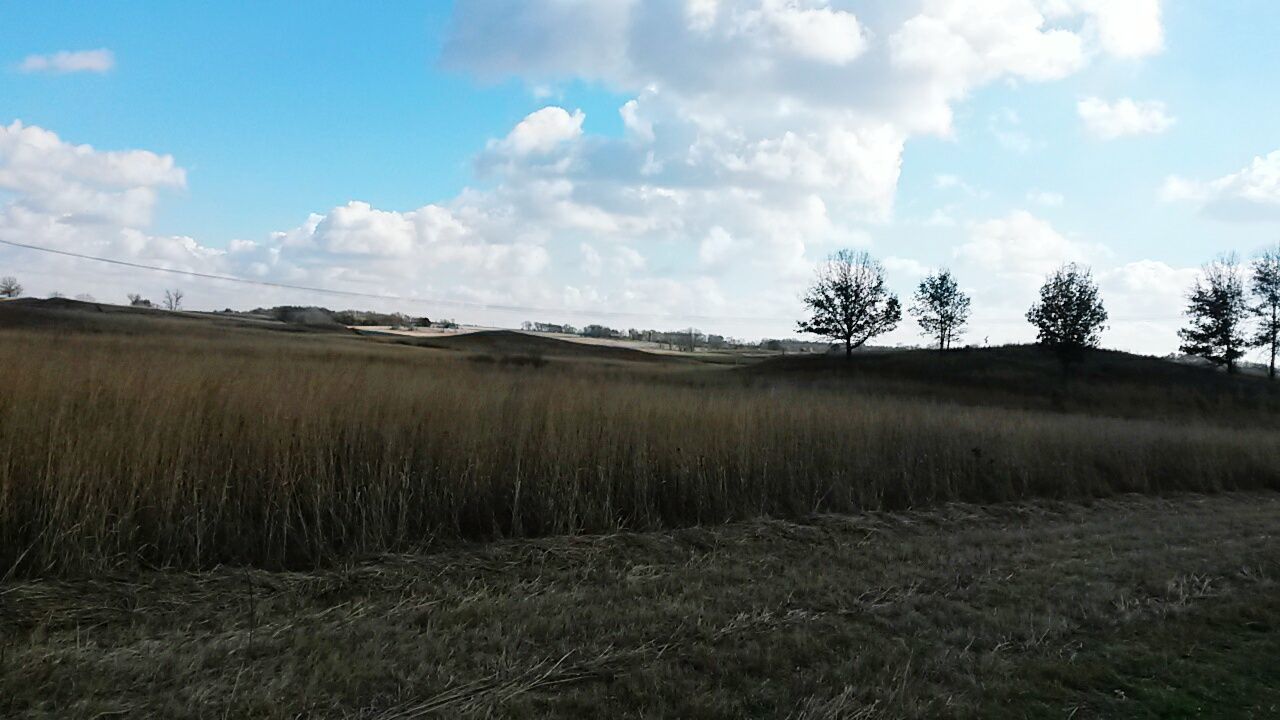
{"points": [[192, 449], [1133, 607]]}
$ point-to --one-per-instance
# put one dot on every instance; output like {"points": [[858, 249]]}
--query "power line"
{"points": [[379, 296], [467, 304]]}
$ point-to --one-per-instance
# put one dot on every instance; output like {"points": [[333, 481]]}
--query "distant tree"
{"points": [[173, 299], [941, 308], [85, 297], [9, 287], [1265, 287], [848, 302], [54, 295], [599, 331], [1069, 317], [1217, 310], [137, 300]]}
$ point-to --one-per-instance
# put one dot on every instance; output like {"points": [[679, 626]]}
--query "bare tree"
{"points": [[848, 302], [1069, 317], [85, 297], [9, 287], [1217, 310], [1265, 287], [137, 300], [941, 308], [173, 299]]}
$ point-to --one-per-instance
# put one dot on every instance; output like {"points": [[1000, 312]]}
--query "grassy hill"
{"points": [[78, 316], [1026, 376]]}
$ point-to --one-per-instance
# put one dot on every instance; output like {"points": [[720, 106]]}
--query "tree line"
{"points": [[1231, 309]]}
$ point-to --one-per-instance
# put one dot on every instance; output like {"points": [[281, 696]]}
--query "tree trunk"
{"points": [[1271, 371], [848, 349]]}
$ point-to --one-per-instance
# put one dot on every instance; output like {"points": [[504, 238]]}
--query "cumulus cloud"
{"points": [[1251, 194], [1007, 258], [76, 185], [541, 132], [778, 94], [92, 61], [760, 134], [1124, 28], [1021, 244], [1123, 117]]}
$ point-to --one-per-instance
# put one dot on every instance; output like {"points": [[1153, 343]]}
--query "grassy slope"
{"points": [[1106, 382], [62, 315], [1134, 607], [187, 442], [513, 343]]}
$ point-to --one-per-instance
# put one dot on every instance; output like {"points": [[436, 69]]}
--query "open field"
{"points": [[1134, 607], [208, 516], [147, 440]]}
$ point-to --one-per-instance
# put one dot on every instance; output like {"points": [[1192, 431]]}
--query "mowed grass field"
{"points": [[146, 440], [1134, 607]]}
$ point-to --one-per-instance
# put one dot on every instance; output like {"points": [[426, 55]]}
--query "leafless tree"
{"points": [[9, 287], [137, 300], [173, 299], [849, 303]]}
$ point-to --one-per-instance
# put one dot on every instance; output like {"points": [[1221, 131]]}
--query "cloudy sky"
{"points": [[640, 163]]}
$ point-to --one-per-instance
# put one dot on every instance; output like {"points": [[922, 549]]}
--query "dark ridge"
{"points": [[66, 314], [1028, 376], [516, 343]]}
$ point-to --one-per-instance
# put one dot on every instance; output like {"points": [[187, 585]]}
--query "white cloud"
{"points": [[817, 33], [77, 185], [1006, 259], [759, 134], [1123, 117], [1252, 194], [906, 266], [715, 247], [638, 126], [1021, 244], [94, 61], [541, 131], [1124, 28], [778, 94], [1046, 198]]}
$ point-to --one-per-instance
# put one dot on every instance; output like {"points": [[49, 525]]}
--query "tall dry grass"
{"points": [[162, 450]]}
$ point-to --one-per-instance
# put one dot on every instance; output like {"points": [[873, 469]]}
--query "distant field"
{"points": [[133, 439]]}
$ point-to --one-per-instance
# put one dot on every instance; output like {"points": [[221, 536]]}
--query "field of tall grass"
{"points": [[188, 450]]}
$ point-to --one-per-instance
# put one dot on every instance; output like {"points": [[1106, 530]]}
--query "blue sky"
{"points": [[379, 149]]}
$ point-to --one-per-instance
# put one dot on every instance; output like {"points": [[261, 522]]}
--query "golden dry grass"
{"points": [[189, 448]]}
